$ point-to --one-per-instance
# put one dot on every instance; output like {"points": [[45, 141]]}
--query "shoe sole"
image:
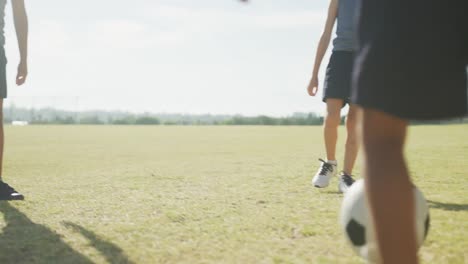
{"points": [[321, 187], [12, 198]]}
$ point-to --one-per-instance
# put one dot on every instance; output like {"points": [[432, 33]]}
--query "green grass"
{"points": [[102, 194]]}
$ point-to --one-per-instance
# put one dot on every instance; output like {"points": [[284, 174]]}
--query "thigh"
{"points": [[353, 113], [381, 131], [334, 107]]}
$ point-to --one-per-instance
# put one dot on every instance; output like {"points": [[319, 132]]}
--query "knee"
{"points": [[351, 126], [382, 135], [332, 119]]}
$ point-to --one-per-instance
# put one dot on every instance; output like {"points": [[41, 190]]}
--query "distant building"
{"points": [[19, 123]]}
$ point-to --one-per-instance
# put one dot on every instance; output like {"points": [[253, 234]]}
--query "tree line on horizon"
{"points": [[53, 116]]}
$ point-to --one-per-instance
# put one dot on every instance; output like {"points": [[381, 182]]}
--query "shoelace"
{"points": [[347, 179], [326, 167]]}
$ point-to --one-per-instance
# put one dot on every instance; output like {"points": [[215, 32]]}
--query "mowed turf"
{"points": [[120, 194]]}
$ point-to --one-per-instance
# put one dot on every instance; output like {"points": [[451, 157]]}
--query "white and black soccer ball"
{"points": [[357, 227]]}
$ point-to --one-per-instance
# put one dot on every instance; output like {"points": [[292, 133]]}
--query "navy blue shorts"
{"points": [[412, 58], [337, 83]]}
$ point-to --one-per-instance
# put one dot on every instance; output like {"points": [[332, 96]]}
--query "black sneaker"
{"points": [[346, 181], [8, 193]]}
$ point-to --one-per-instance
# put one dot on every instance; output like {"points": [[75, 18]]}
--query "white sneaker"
{"points": [[346, 181], [324, 174]]}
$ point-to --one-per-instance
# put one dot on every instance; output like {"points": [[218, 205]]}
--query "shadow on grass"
{"points": [[111, 252], [448, 206], [333, 192], [23, 241]]}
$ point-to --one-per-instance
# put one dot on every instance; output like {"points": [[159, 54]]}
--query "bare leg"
{"points": [[330, 126], [352, 142], [6, 191], [388, 186], [2, 139]]}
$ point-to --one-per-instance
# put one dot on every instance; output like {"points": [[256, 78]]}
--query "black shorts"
{"points": [[412, 58], [338, 76], [3, 79]]}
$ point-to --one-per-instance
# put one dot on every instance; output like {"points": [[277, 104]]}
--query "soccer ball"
{"points": [[356, 224]]}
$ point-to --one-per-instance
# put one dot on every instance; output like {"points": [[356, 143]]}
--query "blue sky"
{"points": [[184, 56]]}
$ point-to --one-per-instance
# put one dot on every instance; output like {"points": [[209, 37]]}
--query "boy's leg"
{"points": [[330, 126], [2, 138], [336, 90], [406, 51], [330, 133], [352, 145], [351, 150], [388, 184], [6, 191]]}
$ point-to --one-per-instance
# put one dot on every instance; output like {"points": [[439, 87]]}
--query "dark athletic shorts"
{"points": [[3, 79], [338, 76], [412, 58]]}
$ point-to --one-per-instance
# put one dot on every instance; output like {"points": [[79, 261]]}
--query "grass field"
{"points": [[110, 194]]}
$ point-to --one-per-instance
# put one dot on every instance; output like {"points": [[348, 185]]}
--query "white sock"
{"points": [[333, 162]]}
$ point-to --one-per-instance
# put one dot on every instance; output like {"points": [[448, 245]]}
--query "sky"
{"points": [[170, 56]]}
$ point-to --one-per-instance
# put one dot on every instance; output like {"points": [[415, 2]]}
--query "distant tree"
{"points": [[313, 119], [68, 120], [91, 120], [147, 120], [286, 122], [129, 120], [170, 123], [267, 121], [7, 120]]}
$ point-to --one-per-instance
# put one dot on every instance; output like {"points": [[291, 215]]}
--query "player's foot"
{"points": [[346, 181], [324, 174], [8, 193]]}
